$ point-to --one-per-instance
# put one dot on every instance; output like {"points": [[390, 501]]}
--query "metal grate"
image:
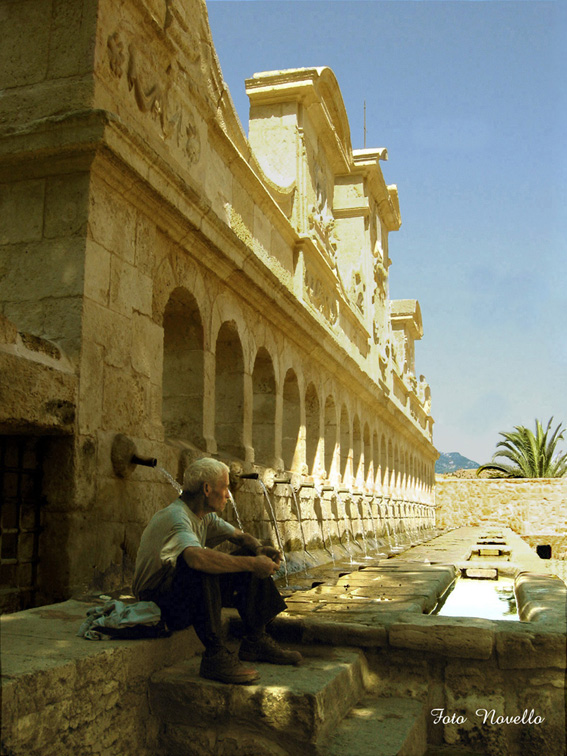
{"points": [[20, 520]]}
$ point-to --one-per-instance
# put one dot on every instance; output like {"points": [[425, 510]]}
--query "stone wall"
{"points": [[536, 509], [169, 280]]}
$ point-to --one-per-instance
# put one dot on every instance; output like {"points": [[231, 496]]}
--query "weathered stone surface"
{"points": [[528, 648], [380, 727], [63, 695], [303, 701], [465, 638]]}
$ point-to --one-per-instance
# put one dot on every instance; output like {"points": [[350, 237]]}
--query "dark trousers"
{"points": [[196, 598]]}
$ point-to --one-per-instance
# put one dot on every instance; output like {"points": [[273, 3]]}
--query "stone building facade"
{"points": [[165, 278]]}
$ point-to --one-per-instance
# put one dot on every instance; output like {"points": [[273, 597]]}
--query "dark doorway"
{"points": [[21, 464], [544, 551]]}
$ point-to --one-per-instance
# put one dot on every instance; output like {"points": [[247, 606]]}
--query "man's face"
{"points": [[217, 495]]}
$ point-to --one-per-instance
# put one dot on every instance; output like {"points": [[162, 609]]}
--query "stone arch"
{"points": [[312, 429], [229, 391], [183, 368], [291, 420], [330, 434], [264, 408]]}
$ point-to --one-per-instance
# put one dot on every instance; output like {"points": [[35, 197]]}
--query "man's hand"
{"points": [[263, 566], [272, 552]]}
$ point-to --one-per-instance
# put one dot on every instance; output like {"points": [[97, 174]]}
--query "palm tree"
{"points": [[529, 455]]}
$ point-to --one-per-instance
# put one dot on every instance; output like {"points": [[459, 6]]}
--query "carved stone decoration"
{"points": [[321, 299], [148, 98], [320, 217], [357, 289], [380, 279], [193, 141], [115, 54], [156, 97]]}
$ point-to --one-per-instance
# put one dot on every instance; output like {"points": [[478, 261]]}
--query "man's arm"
{"points": [[219, 563], [247, 541]]}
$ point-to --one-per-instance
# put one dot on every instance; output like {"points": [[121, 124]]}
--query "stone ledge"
{"points": [[466, 638], [63, 695]]}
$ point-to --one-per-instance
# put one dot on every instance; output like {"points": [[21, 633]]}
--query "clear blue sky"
{"points": [[470, 100]]}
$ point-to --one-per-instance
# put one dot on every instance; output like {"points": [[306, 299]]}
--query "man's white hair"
{"points": [[204, 470]]}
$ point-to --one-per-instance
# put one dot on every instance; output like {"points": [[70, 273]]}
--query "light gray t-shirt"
{"points": [[169, 532]]}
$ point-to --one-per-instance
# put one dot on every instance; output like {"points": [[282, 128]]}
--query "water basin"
{"points": [[488, 599]]}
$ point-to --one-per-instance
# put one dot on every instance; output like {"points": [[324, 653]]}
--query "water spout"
{"points": [[124, 456], [144, 461]]}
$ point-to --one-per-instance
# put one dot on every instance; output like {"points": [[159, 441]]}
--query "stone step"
{"points": [[293, 705], [380, 727]]}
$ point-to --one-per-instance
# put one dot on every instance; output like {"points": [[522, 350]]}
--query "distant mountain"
{"points": [[449, 462]]}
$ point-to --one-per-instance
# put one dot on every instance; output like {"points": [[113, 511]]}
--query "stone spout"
{"points": [[125, 458]]}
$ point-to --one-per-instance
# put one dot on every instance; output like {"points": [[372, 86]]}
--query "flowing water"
{"points": [[170, 479], [277, 530], [325, 525], [232, 501], [298, 510], [345, 519]]}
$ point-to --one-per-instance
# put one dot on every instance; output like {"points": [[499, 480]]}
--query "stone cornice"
{"points": [[318, 91]]}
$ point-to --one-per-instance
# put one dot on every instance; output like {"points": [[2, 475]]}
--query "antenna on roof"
{"points": [[364, 124]]}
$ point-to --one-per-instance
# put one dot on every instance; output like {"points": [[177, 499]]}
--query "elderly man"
{"points": [[178, 568]]}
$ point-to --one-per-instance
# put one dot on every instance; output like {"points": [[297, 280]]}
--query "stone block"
{"points": [[129, 289], [72, 38], [379, 727], [465, 638], [147, 347], [39, 270], [8, 331], [526, 648], [118, 237], [305, 700], [21, 212], [22, 63], [111, 330], [91, 388], [66, 205], [125, 401], [97, 273]]}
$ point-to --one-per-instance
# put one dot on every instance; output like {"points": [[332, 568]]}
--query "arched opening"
{"points": [[330, 433], [264, 408], [345, 443], [291, 421], [311, 427], [183, 369], [229, 391]]}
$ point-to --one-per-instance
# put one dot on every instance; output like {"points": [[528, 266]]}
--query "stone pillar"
{"points": [[247, 413], [209, 402]]}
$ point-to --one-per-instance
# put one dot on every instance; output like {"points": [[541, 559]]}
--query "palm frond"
{"points": [[531, 455]]}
